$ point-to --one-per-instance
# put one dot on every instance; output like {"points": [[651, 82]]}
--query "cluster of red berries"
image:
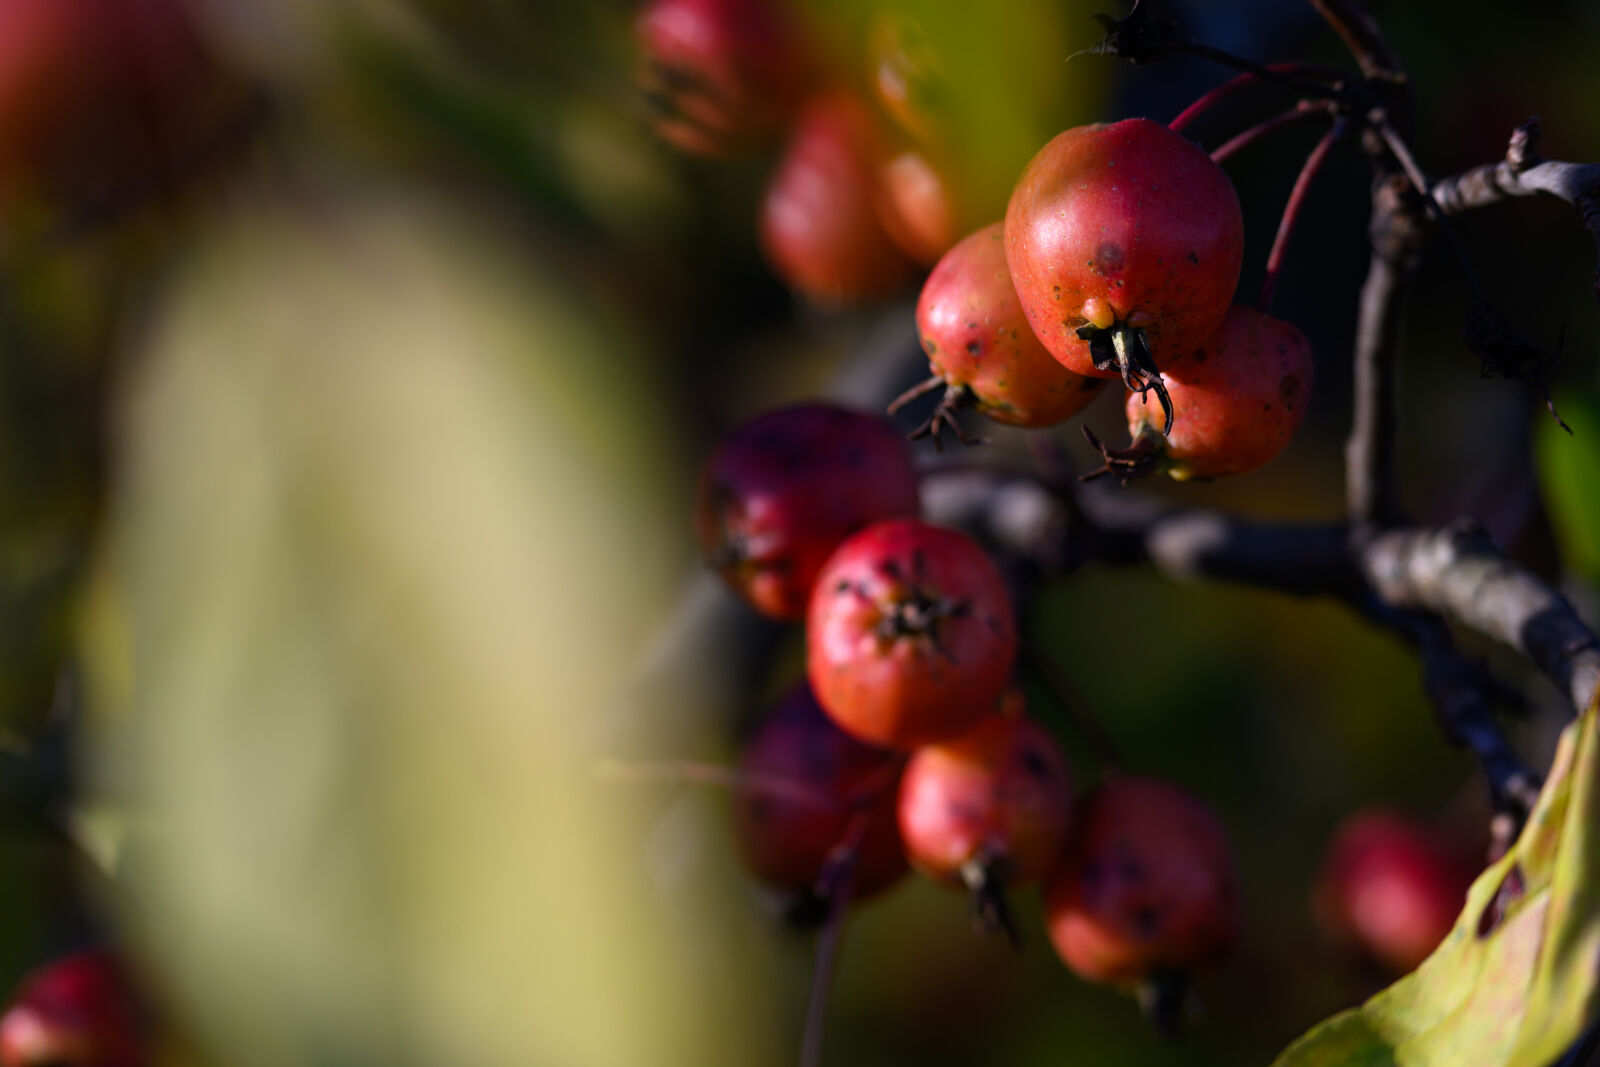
{"points": [[1118, 256], [860, 196], [907, 741]]}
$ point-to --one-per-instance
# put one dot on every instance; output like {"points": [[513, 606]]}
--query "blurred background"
{"points": [[356, 361]]}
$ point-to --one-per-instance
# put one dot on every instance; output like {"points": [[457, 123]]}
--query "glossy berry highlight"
{"points": [[910, 635], [1146, 888], [780, 492]]}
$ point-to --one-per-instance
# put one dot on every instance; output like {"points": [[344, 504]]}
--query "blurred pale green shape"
{"points": [[1520, 996], [1569, 474], [381, 556]]}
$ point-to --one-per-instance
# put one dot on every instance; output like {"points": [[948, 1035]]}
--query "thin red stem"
{"points": [[1255, 133], [1291, 214], [1240, 81]]}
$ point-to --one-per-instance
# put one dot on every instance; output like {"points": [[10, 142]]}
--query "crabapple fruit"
{"points": [[1237, 399], [786, 840], [979, 343], [1388, 888], [819, 220], [1124, 242], [910, 637], [721, 75], [782, 490], [1146, 887], [994, 803], [78, 1011]]}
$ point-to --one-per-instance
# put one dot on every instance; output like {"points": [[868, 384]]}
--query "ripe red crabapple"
{"points": [[1388, 888], [782, 490], [980, 346], [786, 841], [98, 92], [1124, 242], [76, 1012], [721, 75], [1146, 887], [1237, 399], [988, 809], [910, 636], [918, 205], [819, 221]]}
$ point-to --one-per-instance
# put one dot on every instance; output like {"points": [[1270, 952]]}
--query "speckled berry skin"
{"points": [[1000, 794], [723, 75], [1237, 399], [1131, 214], [1389, 889], [76, 1012], [910, 636], [820, 228], [780, 492], [785, 842], [975, 334], [1146, 886]]}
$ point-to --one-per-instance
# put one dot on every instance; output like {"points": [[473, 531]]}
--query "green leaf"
{"points": [[1569, 470], [1521, 993]]}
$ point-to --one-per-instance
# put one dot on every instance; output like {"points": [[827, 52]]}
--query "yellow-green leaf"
{"points": [[1521, 993]]}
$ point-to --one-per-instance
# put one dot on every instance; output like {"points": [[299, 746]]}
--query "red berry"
{"points": [[910, 636], [94, 93], [723, 75], [1147, 885], [76, 1012], [979, 342], [786, 841], [994, 802], [918, 206], [1123, 225], [782, 490], [1390, 889], [1237, 399], [819, 221]]}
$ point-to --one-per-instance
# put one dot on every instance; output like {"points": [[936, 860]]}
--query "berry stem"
{"points": [[1294, 116], [1241, 81], [688, 772], [1291, 214], [1308, 87], [835, 886]]}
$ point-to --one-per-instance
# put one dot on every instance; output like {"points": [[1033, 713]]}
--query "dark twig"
{"points": [[1351, 21], [1291, 213], [1371, 494], [1523, 173], [1463, 693], [1293, 117], [1419, 181], [835, 886], [1457, 572]]}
